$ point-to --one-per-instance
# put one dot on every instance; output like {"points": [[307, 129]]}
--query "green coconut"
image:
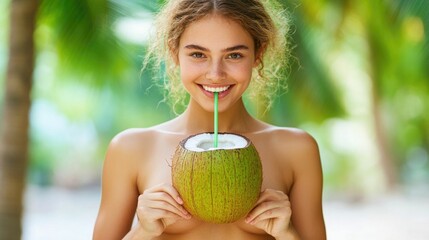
{"points": [[217, 185]]}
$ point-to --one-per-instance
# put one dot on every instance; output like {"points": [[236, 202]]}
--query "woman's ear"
{"points": [[174, 55], [259, 55], [175, 59]]}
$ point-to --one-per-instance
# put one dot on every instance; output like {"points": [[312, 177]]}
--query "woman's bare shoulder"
{"points": [[132, 137], [290, 136], [132, 145], [136, 141], [138, 137], [293, 143]]}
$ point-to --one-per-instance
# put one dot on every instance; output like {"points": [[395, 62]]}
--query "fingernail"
{"points": [[179, 200]]}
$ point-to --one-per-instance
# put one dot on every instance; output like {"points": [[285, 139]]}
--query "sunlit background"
{"points": [[358, 82]]}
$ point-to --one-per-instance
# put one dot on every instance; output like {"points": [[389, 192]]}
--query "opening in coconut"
{"points": [[205, 142]]}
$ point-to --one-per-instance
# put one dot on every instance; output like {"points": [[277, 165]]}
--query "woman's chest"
{"points": [[157, 167]]}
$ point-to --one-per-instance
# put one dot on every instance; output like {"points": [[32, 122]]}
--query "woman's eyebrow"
{"points": [[196, 47], [235, 48], [229, 49]]}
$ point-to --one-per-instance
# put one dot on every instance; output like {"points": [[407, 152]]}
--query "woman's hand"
{"points": [[159, 207], [272, 213]]}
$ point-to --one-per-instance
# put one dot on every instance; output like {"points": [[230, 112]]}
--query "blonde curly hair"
{"points": [[266, 22]]}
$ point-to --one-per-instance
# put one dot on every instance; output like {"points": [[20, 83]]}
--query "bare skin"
{"points": [[137, 173]]}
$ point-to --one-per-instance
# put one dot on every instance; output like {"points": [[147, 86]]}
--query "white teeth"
{"points": [[215, 89]]}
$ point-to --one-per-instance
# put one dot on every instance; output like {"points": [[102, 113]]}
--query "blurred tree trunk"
{"points": [[15, 117], [377, 19], [386, 159]]}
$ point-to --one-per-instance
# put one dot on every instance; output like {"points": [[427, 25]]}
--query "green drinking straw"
{"points": [[216, 100]]}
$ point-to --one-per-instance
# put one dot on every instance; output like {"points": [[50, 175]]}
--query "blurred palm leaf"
{"points": [[84, 39], [312, 94]]}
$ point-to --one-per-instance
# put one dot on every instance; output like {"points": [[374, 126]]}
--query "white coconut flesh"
{"points": [[205, 142]]}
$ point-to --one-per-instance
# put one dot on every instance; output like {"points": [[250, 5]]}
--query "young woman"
{"points": [[214, 46]]}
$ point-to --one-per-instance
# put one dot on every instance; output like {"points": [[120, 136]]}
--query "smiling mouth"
{"points": [[216, 89]]}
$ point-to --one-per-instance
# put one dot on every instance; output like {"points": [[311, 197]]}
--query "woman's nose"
{"points": [[215, 72]]}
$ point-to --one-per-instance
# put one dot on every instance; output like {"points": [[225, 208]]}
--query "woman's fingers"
{"points": [[163, 202], [271, 204], [154, 221], [170, 190], [271, 209], [270, 194], [164, 198], [271, 213], [159, 207], [157, 214]]}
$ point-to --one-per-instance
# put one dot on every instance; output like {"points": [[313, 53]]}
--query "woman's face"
{"points": [[216, 55]]}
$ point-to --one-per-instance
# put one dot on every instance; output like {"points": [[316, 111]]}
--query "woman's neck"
{"points": [[236, 119]]}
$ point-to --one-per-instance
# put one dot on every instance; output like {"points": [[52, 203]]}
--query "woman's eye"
{"points": [[197, 55], [235, 56]]}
